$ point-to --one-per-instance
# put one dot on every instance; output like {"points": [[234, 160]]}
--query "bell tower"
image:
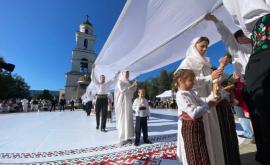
{"points": [[83, 56]]}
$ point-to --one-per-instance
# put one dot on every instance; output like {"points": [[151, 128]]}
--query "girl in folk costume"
{"points": [[192, 108], [123, 107], [197, 61], [227, 127], [226, 118]]}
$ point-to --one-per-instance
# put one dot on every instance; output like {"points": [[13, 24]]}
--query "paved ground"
{"points": [[71, 137], [247, 151]]}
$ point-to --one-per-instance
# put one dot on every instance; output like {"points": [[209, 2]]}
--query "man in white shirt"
{"points": [[141, 108], [102, 98], [253, 17]]}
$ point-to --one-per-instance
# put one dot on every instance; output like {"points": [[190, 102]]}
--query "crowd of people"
{"points": [[163, 104], [36, 105], [11, 105]]}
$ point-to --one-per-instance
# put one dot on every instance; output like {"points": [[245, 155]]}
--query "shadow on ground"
{"points": [[162, 128], [248, 159], [163, 116]]}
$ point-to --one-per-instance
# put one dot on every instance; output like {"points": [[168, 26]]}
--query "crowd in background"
{"points": [[163, 104], [36, 105]]}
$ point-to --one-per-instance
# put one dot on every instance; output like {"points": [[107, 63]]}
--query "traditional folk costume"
{"points": [[241, 55], [123, 108], [192, 108], [227, 128], [203, 83], [254, 19], [228, 133]]}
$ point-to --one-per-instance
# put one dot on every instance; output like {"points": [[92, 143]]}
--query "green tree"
{"points": [[13, 87], [153, 88], [21, 89], [157, 85], [45, 95], [6, 83], [164, 81]]}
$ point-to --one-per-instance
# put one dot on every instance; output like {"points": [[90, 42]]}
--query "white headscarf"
{"points": [[194, 60], [122, 76]]}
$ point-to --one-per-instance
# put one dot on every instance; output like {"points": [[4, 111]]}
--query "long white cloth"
{"points": [[202, 87], [245, 13], [123, 109], [150, 34]]}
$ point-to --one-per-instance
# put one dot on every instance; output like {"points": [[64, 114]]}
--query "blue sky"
{"points": [[38, 36]]}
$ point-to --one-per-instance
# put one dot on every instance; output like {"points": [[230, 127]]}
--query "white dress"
{"points": [[123, 108], [210, 121]]}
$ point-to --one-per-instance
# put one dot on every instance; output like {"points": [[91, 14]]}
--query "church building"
{"points": [[83, 56]]}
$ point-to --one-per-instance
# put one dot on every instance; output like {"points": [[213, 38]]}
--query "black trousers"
{"points": [[84, 107], [255, 121], [141, 124], [88, 107], [72, 108], [258, 84], [62, 107], [101, 107], [52, 107]]}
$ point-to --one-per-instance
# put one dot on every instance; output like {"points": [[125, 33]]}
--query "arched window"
{"points": [[85, 44], [86, 31], [84, 66]]}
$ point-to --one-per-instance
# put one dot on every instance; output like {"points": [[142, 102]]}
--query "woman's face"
{"points": [[127, 74], [202, 47]]}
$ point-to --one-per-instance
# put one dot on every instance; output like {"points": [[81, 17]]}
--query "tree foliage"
{"points": [[157, 85], [45, 95], [13, 87]]}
